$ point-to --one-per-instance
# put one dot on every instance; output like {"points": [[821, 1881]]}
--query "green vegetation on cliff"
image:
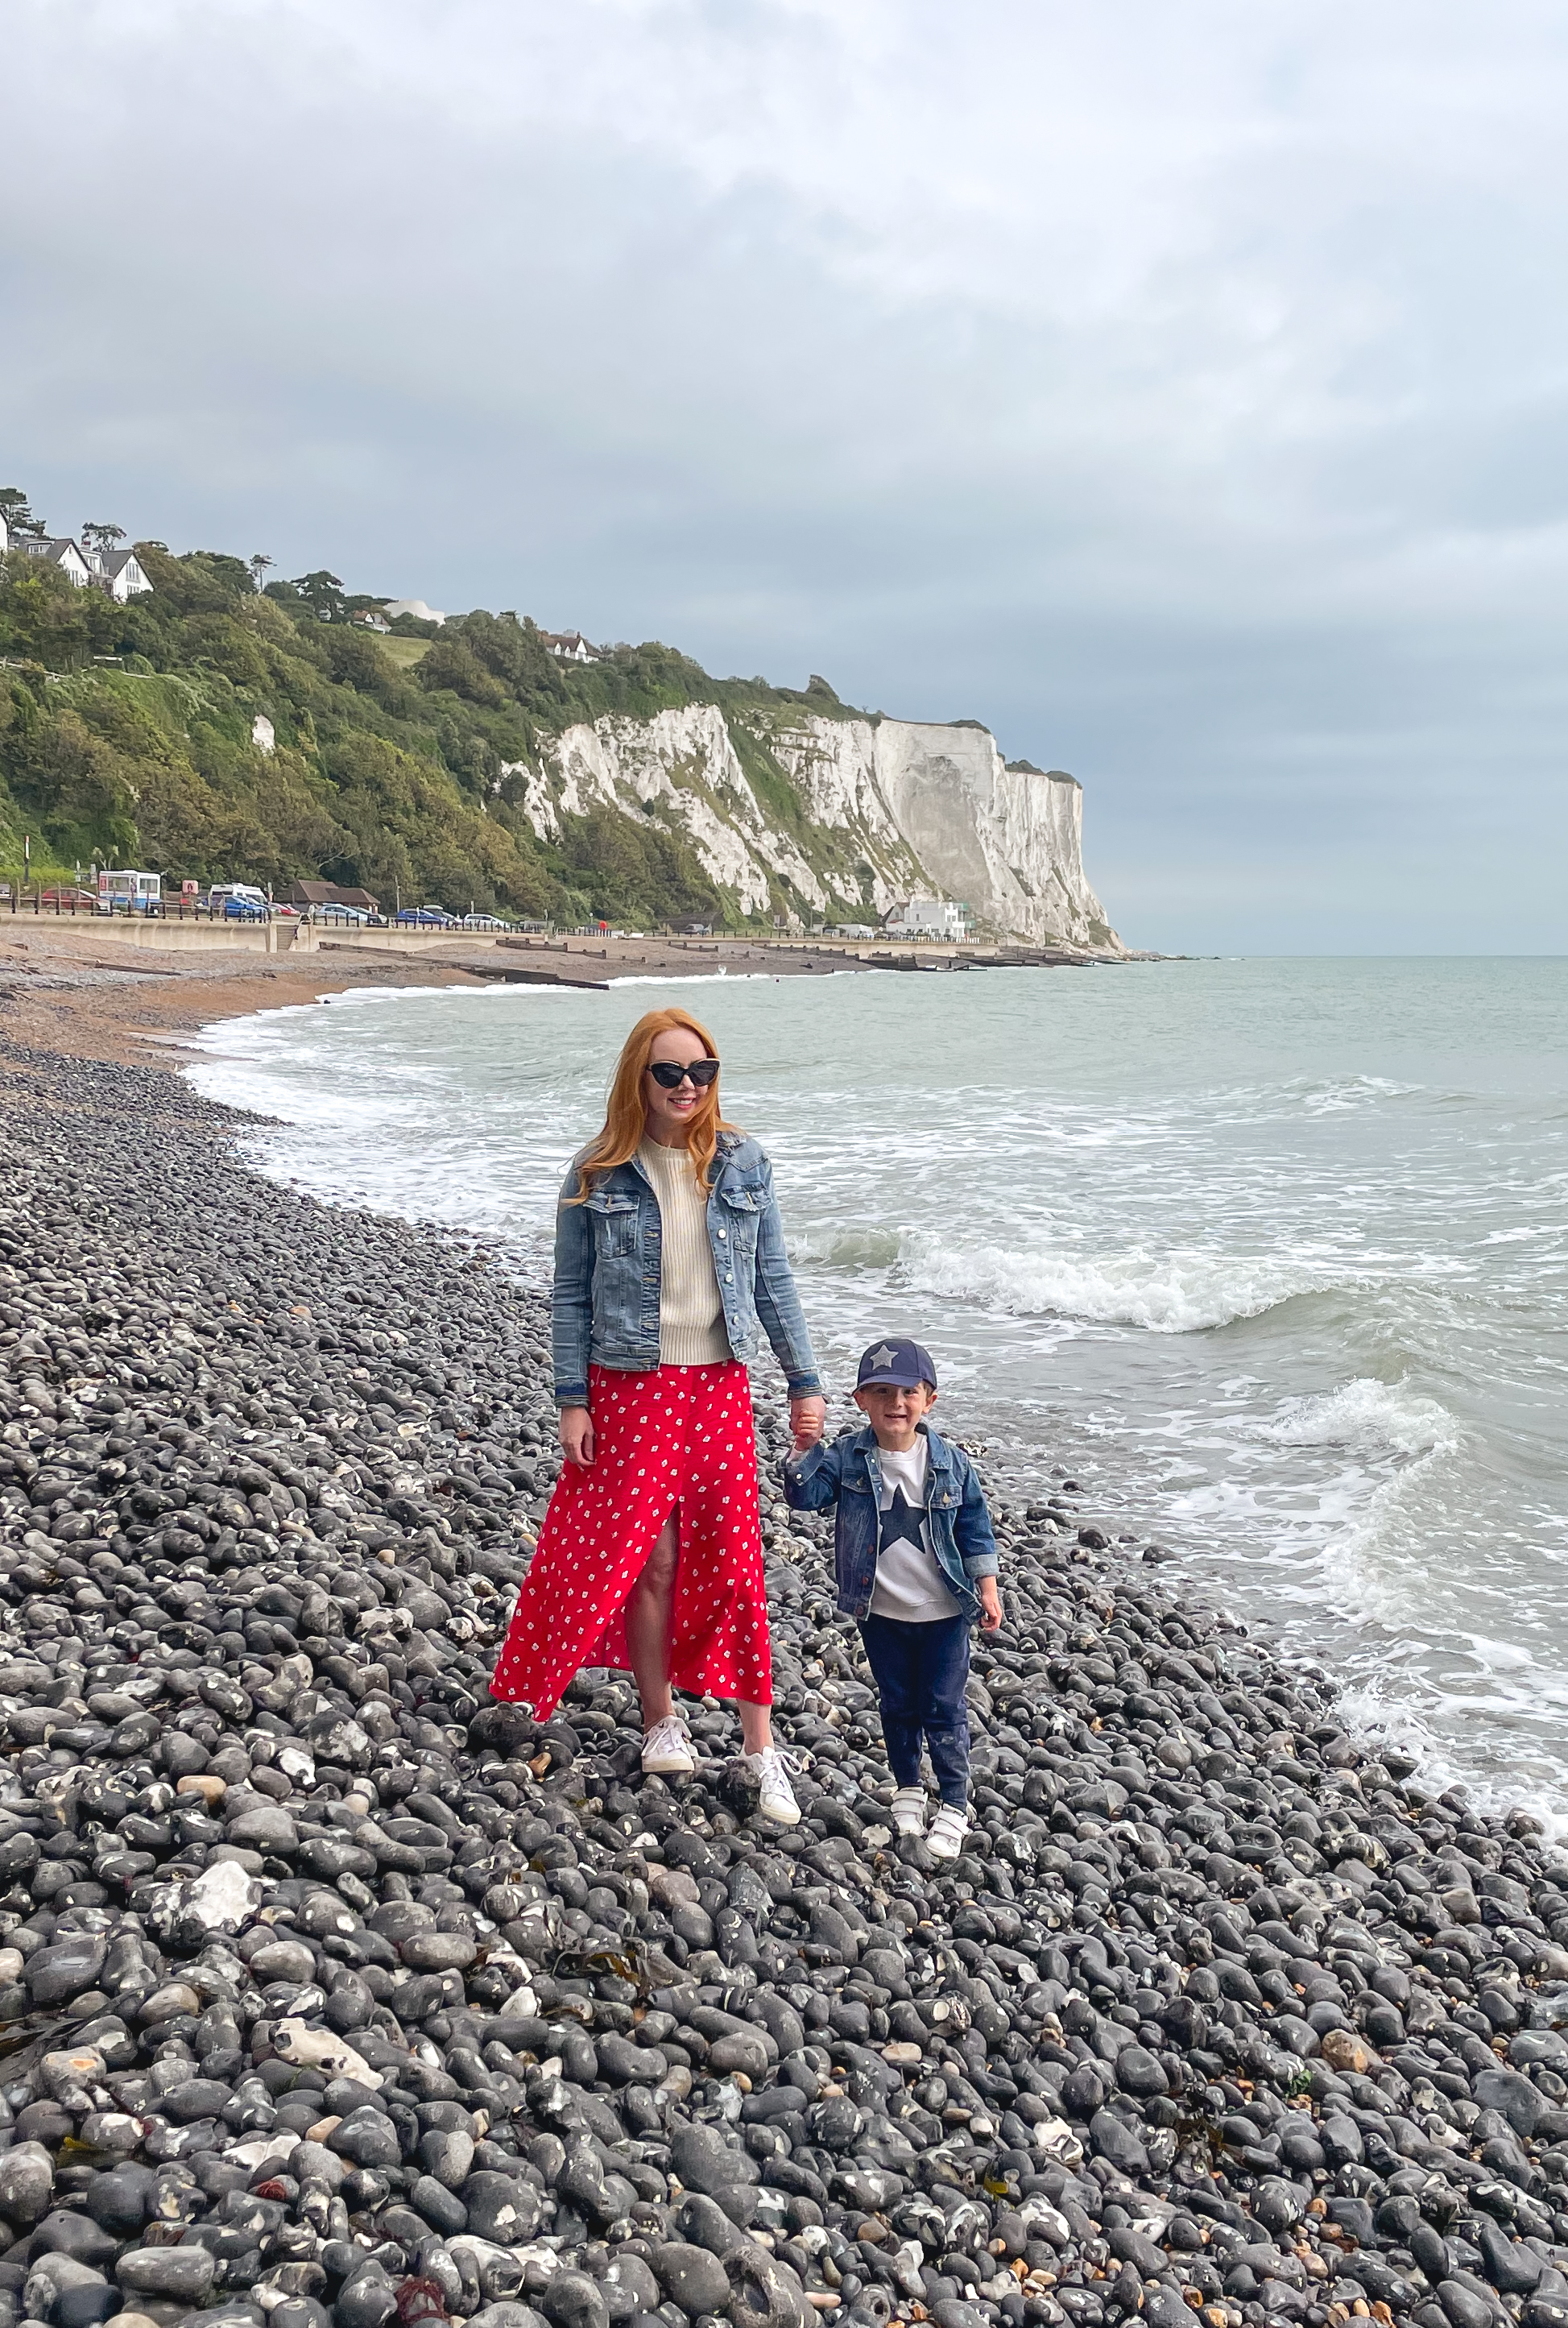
{"points": [[126, 738]]}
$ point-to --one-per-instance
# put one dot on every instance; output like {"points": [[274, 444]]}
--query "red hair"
{"points": [[625, 1115]]}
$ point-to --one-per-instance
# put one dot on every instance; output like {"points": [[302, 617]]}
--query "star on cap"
{"points": [[884, 1357]]}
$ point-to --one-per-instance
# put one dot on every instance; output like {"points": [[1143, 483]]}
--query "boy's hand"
{"points": [[990, 1605], [807, 1417]]}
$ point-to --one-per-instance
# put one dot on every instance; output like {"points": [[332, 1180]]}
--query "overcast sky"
{"points": [[1180, 391]]}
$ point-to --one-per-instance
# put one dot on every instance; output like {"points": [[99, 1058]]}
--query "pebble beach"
{"points": [[335, 1995]]}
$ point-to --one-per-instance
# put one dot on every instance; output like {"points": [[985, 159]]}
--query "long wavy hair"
{"points": [[625, 1116]]}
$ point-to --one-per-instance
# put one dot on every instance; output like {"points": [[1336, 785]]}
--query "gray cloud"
{"points": [[1179, 391]]}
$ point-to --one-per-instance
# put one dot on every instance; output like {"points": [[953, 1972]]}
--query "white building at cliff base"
{"points": [[926, 918]]}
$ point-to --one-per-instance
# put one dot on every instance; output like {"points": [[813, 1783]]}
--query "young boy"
{"points": [[917, 1564]]}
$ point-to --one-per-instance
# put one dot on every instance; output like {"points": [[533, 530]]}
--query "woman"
{"points": [[670, 1266]]}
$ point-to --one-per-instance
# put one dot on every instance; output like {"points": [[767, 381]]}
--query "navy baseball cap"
{"points": [[900, 1366]]}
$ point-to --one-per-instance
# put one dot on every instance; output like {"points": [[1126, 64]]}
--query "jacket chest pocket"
{"points": [[740, 1215], [614, 1219]]}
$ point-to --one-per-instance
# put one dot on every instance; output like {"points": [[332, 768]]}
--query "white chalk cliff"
{"points": [[837, 816]]}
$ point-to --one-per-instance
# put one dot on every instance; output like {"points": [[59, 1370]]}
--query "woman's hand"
{"points": [[807, 1418], [577, 1436], [990, 1606]]}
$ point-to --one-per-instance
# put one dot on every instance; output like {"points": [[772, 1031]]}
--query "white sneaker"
{"points": [[948, 1829], [909, 1810], [667, 1748], [778, 1796]]}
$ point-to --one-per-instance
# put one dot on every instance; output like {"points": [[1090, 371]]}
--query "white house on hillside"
{"points": [[118, 572], [61, 551], [570, 646]]}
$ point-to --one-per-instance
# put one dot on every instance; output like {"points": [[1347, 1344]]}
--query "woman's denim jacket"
{"points": [[605, 1307], [846, 1471]]}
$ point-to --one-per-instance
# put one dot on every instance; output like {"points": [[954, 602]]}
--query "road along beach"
{"points": [[334, 1992]]}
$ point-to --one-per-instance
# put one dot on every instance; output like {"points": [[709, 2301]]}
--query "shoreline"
{"points": [[1216, 2011], [67, 992], [78, 990]]}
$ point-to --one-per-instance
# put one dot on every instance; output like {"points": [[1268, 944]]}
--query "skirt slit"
{"points": [[676, 1440]]}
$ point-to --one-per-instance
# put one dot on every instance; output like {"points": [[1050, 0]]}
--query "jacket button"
{"points": [[721, 1234], [729, 1276]]}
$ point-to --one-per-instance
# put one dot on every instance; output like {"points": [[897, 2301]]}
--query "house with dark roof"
{"points": [[119, 571], [570, 646], [59, 550]]}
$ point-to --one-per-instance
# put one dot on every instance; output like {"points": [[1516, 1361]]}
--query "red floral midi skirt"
{"points": [[676, 1436]]}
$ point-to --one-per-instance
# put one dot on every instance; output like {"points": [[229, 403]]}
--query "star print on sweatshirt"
{"points": [[910, 1587]]}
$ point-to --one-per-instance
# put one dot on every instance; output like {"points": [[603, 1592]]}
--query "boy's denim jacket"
{"points": [[604, 1311], [846, 1471]]}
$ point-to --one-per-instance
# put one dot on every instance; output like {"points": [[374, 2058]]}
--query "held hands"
{"points": [[807, 1418], [990, 1605], [577, 1436]]}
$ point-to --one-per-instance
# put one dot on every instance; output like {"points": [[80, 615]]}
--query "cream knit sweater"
{"points": [[691, 1331]]}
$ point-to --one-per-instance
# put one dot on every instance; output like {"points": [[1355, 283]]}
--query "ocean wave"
{"points": [[1300, 1096], [1364, 1417], [1339, 1097], [1174, 1293], [851, 1248]]}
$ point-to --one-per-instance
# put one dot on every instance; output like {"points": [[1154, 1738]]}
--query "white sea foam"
{"points": [[860, 1247], [1301, 1095], [1364, 1415]]}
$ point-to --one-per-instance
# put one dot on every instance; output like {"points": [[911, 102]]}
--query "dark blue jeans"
{"points": [[921, 1671]]}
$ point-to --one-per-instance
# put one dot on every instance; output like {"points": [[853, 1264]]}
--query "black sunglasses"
{"points": [[670, 1077]]}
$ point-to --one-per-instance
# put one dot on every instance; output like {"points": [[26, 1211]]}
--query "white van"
{"points": [[237, 901]]}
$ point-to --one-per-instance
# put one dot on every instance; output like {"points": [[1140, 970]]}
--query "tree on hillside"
{"points": [[95, 536], [258, 565], [17, 515], [323, 594], [452, 665], [44, 618]]}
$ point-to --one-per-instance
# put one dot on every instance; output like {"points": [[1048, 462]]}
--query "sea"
{"points": [[1270, 1256]]}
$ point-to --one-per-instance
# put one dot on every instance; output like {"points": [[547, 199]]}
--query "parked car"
{"points": [[484, 922], [237, 901], [428, 917]]}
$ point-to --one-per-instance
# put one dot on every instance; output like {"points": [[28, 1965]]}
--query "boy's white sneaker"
{"points": [[667, 1748], [778, 1796], [948, 1829], [909, 1810]]}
